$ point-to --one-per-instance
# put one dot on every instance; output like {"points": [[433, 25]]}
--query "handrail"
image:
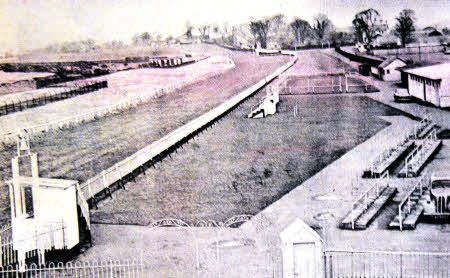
{"points": [[365, 196], [407, 200]]}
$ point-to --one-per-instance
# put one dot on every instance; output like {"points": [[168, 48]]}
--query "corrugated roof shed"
{"points": [[435, 72]]}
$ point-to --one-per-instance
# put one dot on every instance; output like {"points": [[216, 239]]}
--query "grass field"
{"points": [[84, 151], [242, 165], [121, 86]]}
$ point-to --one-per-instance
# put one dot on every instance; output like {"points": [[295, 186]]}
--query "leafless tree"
{"points": [[204, 31], [368, 26], [404, 28]]}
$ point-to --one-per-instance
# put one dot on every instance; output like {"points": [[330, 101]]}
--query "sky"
{"points": [[28, 24]]}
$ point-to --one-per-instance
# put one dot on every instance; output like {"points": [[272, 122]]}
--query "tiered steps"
{"points": [[411, 210], [410, 221], [390, 159], [425, 131], [415, 166], [365, 213], [257, 113]]}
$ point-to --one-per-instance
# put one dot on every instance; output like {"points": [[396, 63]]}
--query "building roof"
{"points": [[390, 61], [439, 71]]}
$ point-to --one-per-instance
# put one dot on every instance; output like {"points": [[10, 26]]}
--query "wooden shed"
{"points": [[302, 250]]}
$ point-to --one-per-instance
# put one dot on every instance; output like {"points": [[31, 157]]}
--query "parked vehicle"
{"points": [[402, 95]]}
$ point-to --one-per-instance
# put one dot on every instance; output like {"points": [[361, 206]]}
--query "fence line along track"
{"points": [[20, 103], [133, 165], [11, 136]]}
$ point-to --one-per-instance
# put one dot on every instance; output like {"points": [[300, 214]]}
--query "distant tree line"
{"points": [[368, 27]]}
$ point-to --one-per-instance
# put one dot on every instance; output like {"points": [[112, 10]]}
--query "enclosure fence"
{"points": [[12, 105], [374, 264], [138, 97], [410, 50], [88, 269]]}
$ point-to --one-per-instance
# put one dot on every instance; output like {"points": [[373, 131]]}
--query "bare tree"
{"points": [[404, 29], [322, 26], [260, 30], [368, 26], [301, 29], [204, 31]]}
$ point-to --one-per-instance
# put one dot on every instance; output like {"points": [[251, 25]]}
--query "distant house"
{"points": [[388, 70], [430, 84]]}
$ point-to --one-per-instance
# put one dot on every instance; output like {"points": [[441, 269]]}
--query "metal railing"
{"points": [[367, 198], [420, 154], [94, 269], [405, 205]]}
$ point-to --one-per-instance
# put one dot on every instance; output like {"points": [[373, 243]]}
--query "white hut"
{"points": [[387, 70], [44, 212], [302, 250]]}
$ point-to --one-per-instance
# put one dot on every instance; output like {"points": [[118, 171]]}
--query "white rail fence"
{"points": [[125, 167], [142, 97]]}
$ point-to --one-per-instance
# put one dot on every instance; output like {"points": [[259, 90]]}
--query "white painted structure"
{"points": [[44, 213], [267, 107], [387, 70], [430, 84], [302, 250]]}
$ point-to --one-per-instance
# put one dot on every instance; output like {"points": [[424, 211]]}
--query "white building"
{"points": [[387, 70], [430, 84], [44, 214]]}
